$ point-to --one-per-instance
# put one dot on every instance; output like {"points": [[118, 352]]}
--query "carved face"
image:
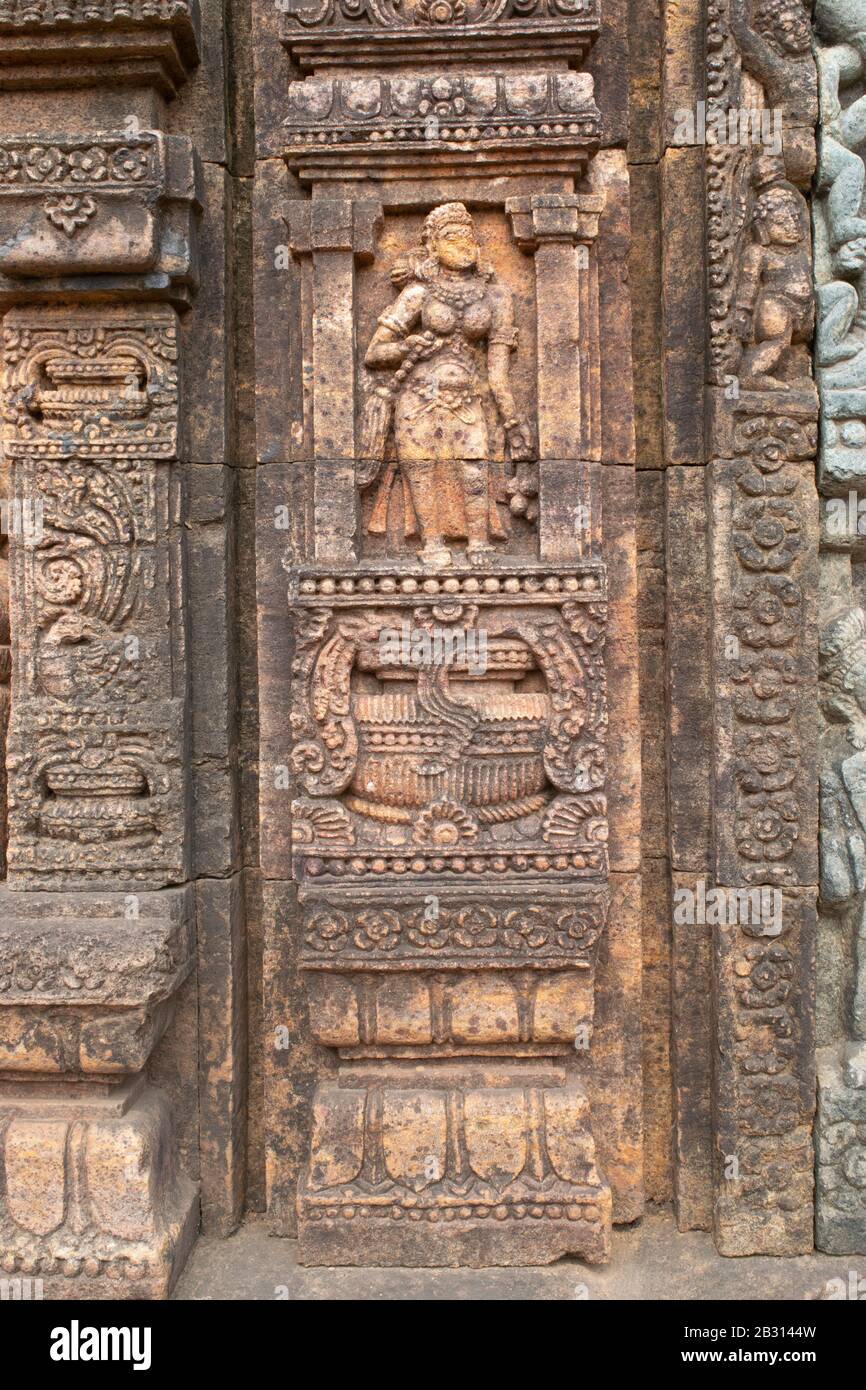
{"points": [[455, 247], [793, 32], [779, 219], [785, 24]]}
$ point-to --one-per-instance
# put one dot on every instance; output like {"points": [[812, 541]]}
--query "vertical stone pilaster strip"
{"points": [[764, 545], [334, 232], [684, 249], [690, 750], [761, 433], [560, 231], [101, 263]]}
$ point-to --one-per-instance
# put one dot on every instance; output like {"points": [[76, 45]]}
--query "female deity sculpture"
{"points": [[447, 339]]}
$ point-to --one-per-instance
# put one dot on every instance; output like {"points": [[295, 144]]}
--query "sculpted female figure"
{"points": [[447, 339]]}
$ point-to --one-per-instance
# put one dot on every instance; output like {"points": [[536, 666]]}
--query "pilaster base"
{"points": [[452, 1166], [93, 1205]]}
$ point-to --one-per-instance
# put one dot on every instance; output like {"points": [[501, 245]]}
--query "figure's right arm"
{"points": [[388, 345], [760, 60]]}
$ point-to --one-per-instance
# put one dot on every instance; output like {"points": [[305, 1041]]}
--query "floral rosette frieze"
{"points": [[430, 930], [77, 162], [765, 637]]}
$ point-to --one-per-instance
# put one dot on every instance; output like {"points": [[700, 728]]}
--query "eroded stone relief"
{"points": [[840, 257], [98, 257], [450, 415], [449, 701], [439, 730], [761, 505]]}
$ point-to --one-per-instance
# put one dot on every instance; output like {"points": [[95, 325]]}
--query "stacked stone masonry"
{"points": [[432, 446]]}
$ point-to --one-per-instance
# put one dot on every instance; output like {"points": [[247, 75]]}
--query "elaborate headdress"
{"points": [[448, 215]]}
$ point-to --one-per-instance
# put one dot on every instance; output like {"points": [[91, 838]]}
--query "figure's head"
{"points": [[785, 24], [843, 669], [777, 217], [850, 257], [449, 235]]}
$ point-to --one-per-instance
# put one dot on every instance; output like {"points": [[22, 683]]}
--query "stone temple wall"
{"points": [[432, 631]]}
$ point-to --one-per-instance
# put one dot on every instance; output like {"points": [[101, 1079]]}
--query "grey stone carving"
{"points": [[840, 242], [841, 1124]]}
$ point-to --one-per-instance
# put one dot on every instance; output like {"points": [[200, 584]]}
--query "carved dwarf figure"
{"points": [[778, 39], [774, 295], [447, 339], [843, 789]]}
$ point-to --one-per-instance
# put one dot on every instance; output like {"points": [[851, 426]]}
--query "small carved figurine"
{"points": [[841, 64], [774, 295], [447, 339]]}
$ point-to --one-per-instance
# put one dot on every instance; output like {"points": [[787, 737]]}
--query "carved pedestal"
{"points": [[450, 851], [471, 1163], [93, 1203]]}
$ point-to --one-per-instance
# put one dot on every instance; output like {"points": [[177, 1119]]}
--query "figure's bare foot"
{"points": [[435, 554], [482, 551]]}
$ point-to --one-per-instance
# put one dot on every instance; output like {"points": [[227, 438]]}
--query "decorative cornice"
{"points": [[375, 32], [55, 43], [95, 205], [403, 127]]}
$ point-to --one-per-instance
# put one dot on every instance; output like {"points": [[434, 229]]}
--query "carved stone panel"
{"points": [[448, 698], [95, 760], [117, 204]]}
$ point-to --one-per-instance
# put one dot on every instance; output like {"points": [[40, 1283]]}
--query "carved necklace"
{"points": [[458, 294]]}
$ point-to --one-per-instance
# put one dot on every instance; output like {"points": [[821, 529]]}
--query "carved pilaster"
{"points": [[840, 260], [96, 744], [448, 592], [761, 431], [99, 254], [333, 233], [560, 231]]}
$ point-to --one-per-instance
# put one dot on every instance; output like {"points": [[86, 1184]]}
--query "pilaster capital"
{"points": [[562, 217], [334, 224]]}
